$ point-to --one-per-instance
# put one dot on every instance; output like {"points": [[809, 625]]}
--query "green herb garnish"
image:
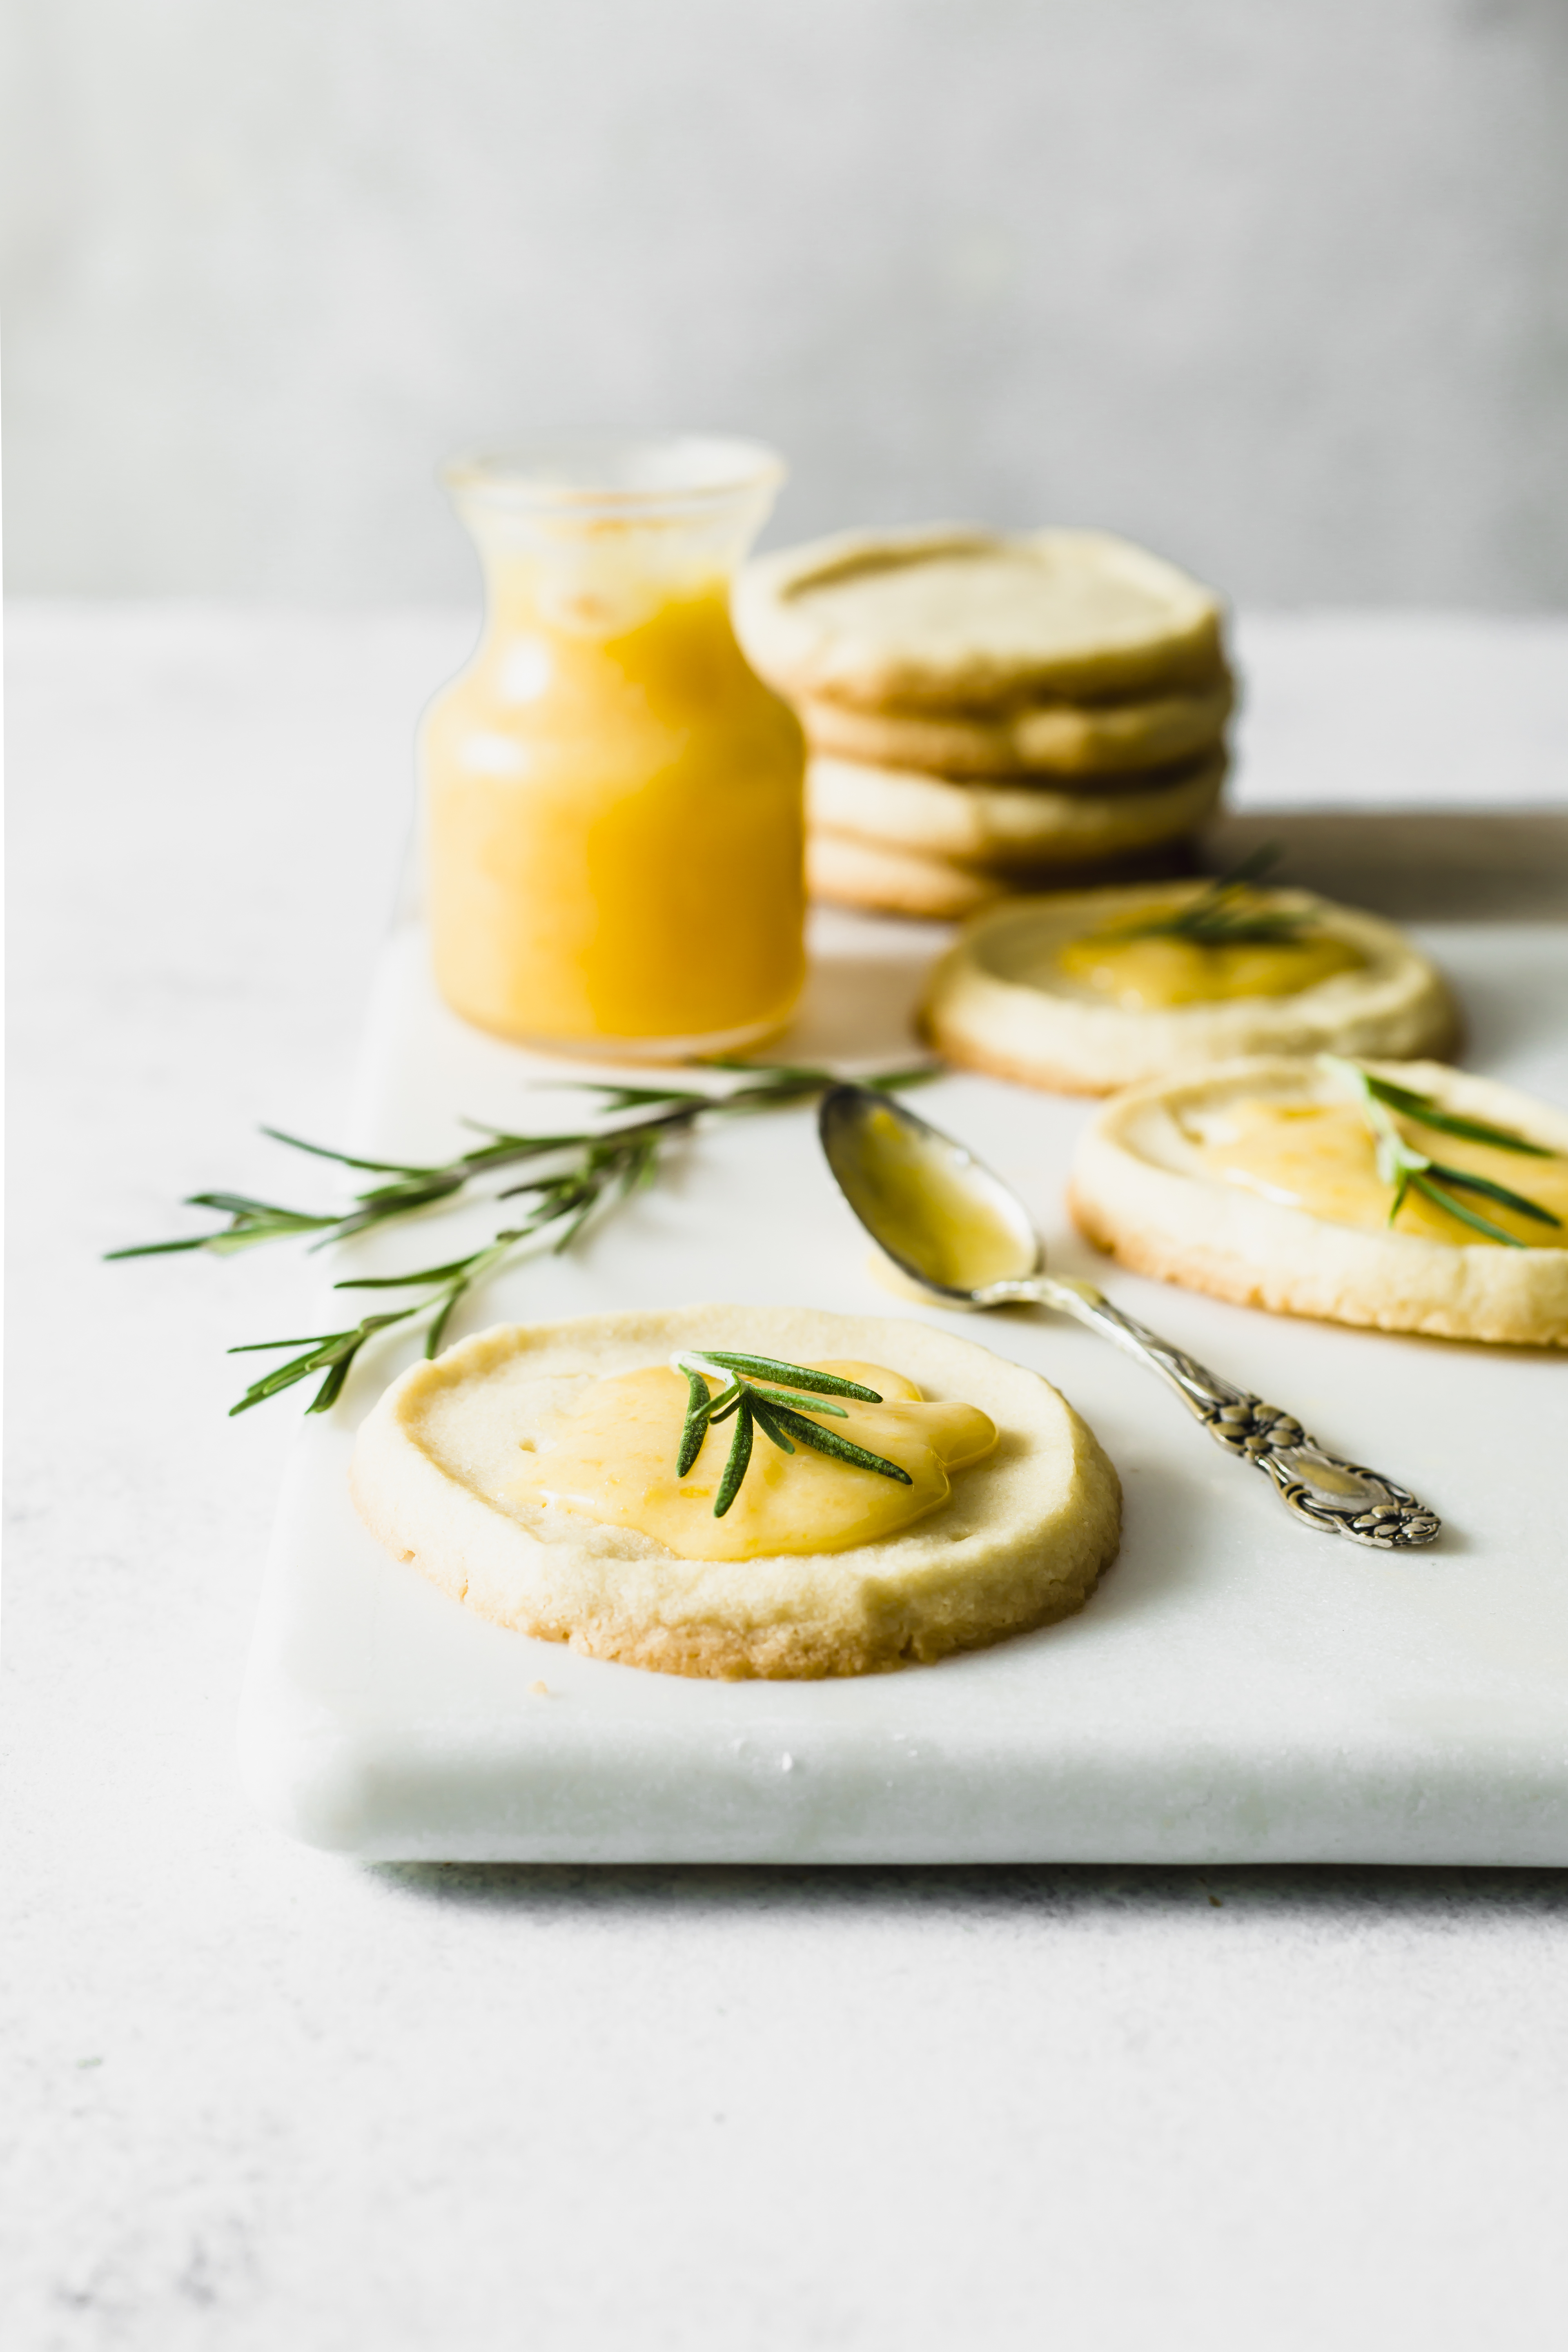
{"points": [[594, 1168], [1428, 1113], [1407, 1171], [1226, 914], [770, 1407]]}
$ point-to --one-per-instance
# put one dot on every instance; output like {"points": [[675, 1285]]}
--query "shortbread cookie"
{"points": [[1000, 1000], [1143, 1187], [847, 872], [1105, 741], [1020, 1541], [1008, 825], [946, 617]]}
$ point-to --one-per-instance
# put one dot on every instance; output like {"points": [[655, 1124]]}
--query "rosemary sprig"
{"points": [[595, 1169], [1226, 914], [1407, 1171], [1423, 1109], [756, 1391], [329, 1352]]}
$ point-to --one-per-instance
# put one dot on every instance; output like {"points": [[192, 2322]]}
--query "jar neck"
{"points": [[593, 542], [600, 582]]}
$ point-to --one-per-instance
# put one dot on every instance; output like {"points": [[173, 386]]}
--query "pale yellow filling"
{"points": [[611, 1456], [920, 1196], [1147, 975], [1322, 1157]]}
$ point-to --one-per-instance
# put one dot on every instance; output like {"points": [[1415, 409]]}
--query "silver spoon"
{"points": [[953, 1227]]}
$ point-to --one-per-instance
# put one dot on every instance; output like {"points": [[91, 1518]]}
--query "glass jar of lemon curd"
{"points": [[612, 798]]}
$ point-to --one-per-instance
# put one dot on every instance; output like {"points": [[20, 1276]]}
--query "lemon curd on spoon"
{"points": [[916, 1192]]}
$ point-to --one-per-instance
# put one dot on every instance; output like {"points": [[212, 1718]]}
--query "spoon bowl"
{"points": [[944, 1218]]}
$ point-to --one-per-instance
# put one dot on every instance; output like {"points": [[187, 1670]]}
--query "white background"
{"points": [[1279, 286], [1276, 284]]}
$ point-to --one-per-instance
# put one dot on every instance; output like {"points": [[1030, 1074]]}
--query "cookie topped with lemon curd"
{"points": [[1086, 992], [1404, 1195], [740, 1491]]}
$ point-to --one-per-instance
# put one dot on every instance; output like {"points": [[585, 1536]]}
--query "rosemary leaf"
{"points": [[740, 1458], [1402, 1175], [698, 1413], [261, 1347], [828, 1441], [1420, 1181], [1498, 1192], [632, 1097], [1224, 915], [438, 1331], [401, 1281], [770, 1425], [804, 1403], [160, 1249], [764, 1367], [1427, 1113], [346, 1159], [240, 1206]]}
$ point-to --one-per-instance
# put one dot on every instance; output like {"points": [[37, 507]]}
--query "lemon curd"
{"points": [[612, 798], [919, 1194], [611, 1456], [1152, 974], [1322, 1157]]}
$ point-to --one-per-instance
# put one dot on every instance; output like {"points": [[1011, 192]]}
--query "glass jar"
{"points": [[613, 797]]}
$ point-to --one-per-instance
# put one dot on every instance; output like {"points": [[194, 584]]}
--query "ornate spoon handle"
{"points": [[1341, 1498]]}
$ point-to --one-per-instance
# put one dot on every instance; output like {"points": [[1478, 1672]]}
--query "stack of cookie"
{"points": [[992, 715]]}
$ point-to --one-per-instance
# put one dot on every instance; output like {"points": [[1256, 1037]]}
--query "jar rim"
{"points": [[623, 473]]}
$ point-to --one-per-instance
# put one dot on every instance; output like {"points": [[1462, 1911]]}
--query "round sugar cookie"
{"points": [[848, 872], [1139, 1190], [946, 617], [999, 1001], [1008, 825], [1020, 1541], [1107, 741]]}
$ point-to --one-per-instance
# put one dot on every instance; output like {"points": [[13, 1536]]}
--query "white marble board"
{"points": [[1238, 1690]]}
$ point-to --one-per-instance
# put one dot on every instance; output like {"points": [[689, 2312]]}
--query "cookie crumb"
{"points": [[539, 1690]]}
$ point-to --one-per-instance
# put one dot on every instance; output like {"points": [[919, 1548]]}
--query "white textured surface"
{"points": [[1278, 288], [255, 2096]]}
